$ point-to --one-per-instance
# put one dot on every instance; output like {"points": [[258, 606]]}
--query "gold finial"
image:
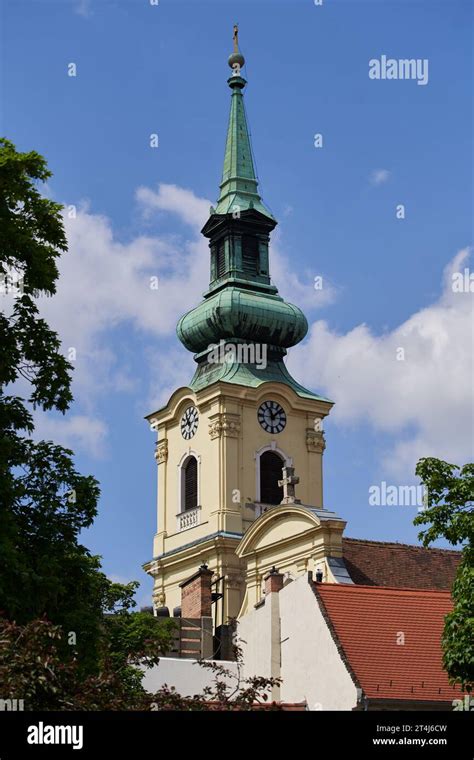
{"points": [[236, 59]]}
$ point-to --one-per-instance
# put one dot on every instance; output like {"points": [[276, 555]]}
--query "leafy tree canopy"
{"points": [[449, 514], [44, 502]]}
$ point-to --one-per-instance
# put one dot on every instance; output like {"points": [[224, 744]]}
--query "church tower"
{"points": [[224, 440]]}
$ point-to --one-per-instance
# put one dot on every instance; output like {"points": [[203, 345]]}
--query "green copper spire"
{"points": [[238, 189], [241, 308]]}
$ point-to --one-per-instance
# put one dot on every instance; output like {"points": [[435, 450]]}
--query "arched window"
{"points": [[190, 484], [271, 465]]}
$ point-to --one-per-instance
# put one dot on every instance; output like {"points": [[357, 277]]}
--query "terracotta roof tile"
{"points": [[376, 563], [367, 621]]}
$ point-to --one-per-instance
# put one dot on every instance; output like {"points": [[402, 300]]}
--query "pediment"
{"points": [[277, 525]]}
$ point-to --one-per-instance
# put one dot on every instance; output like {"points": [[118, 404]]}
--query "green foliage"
{"points": [[44, 501], [449, 514], [450, 503], [32, 668], [458, 634], [138, 638], [32, 237], [31, 231]]}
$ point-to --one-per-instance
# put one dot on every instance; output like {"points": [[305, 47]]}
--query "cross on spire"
{"points": [[288, 483]]}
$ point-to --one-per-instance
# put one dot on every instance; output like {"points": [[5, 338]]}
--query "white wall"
{"points": [[311, 667], [187, 676], [254, 636], [289, 623], [258, 635]]}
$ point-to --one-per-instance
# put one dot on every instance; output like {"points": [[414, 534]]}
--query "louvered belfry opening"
{"points": [[271, 466], [220, 259], [190, 484], [250, 254]]}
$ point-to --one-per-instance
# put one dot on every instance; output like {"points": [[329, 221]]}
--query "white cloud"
{"points": [[169, 370], [425, 401], [379, 176], [301, 292], [73, 431], [83, 8], [105, 284], [185, 203], [295, 288]]}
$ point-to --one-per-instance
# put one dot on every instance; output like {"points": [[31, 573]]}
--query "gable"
{"points": [[289, 525]]}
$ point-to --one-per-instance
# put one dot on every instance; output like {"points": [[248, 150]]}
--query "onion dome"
{"points": [[237, 313]]}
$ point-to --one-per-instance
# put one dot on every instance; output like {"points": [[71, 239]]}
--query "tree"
{"points": [[31, 665], [44, 501], [449, 514]]}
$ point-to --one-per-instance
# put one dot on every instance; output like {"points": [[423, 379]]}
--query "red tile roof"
{"points": [[376, 563], [365, 622]]}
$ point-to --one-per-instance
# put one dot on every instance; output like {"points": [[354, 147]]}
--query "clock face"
{"points": [[271, 417], [189, 422]]}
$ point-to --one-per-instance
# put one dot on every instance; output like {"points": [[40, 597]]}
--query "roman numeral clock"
{"points": [[189, 422], [271, 417]]}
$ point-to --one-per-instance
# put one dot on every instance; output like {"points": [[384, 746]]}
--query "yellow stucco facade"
{"points": [[228, 443], [295, 539]]}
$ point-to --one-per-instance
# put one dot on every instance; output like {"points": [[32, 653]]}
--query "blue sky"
{"points": [[144, 69]]}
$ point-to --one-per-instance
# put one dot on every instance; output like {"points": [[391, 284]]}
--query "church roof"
{"points": [[250, 376], [378, 563], [390, 639]]}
